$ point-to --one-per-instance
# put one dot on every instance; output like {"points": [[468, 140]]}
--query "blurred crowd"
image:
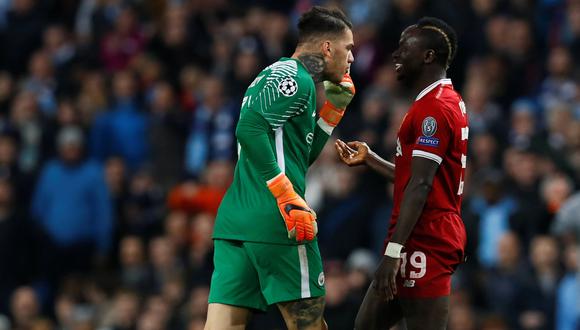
{"points": [[117, 144]]}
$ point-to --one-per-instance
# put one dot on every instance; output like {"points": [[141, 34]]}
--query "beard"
{"points": [[408, 77]]}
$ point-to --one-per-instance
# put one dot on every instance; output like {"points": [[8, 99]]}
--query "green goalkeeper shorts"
{"points": [[255, 275]]}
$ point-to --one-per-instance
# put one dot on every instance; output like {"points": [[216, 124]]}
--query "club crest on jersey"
{"points": [[288, 86], [429, 126]]}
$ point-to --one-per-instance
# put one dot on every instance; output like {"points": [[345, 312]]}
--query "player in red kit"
{"points": [[426, 238]]}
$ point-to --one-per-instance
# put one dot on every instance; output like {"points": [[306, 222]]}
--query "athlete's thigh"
{"points": [[430, 258], [226, 317], [377, 314], [287, 272], [425, 313], [235, 280], [303, 314]]}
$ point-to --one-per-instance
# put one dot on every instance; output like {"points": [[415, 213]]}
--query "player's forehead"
{"points": [[349, 36], [346, 37], [410, 36]]}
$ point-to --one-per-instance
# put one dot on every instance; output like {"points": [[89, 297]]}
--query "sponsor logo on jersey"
{"points": [[288, 86], [409, 283], [428, 141], [321, 279], [399, 149], [309, 138], [429, 126]]}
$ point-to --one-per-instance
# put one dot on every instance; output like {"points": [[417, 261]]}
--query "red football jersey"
{"points": [[435, 127]]}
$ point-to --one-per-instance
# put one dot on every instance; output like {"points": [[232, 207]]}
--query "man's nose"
{"points": [[395, 55]]}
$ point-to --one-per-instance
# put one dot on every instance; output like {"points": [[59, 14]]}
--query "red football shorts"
{"points": [[430, 257]]}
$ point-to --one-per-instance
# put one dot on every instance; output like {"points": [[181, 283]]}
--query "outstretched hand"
{"points": [[352, 153]]}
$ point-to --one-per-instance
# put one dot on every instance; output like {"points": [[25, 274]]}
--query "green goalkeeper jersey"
{"points": [[276, 132]]}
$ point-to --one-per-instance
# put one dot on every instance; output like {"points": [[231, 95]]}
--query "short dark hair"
{"points": [[440, 37], [319, 21]]}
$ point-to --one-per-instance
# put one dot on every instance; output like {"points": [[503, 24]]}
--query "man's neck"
{"points": [[313, 62], [426, 79]]}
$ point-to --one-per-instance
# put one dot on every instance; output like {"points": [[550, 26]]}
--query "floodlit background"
{"points": [[116, 146]]}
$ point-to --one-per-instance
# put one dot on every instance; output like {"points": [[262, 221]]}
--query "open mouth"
{"points": [[398, 67]]}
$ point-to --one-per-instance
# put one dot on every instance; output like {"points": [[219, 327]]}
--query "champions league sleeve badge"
{"points": [[429, 126], [288, 87]]}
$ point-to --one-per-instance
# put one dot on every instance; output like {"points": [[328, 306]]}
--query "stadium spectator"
{"points": [[484, 115], [504, 285], [25, 23], [559, 85], [11, 172], [543, 280], [492, 209], [120, 46], [340, 308], [121, 131], [25, 308], [116, 178], [124, 312], [133, 264], [42, 83], [164, 263], [167, 134], [172, 44], [462, 317], [92, 97], [200, 253], [211, 135], [176, 227], [21, 244], [28, 124], [143, 206], [72, 203], [567, 312]]}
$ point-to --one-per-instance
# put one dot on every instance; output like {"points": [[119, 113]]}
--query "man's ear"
{"points": [[429, 56], [326, 48]]}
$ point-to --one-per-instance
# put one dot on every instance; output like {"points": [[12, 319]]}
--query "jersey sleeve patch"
{"points": [[428, 141], [288, 87], [429, 126], [280, 99], [428, 129]]}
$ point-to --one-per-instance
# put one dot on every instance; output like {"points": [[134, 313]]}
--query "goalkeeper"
{"points": [[265, 248]]}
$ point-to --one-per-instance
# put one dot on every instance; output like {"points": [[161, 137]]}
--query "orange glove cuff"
{"points": [[331, 114], [300, 220], [280, 185]]}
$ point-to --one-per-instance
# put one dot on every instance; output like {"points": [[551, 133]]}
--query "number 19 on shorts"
{"points": [[416, 265]]}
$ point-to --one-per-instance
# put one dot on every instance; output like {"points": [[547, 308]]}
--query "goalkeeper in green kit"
{"points": [[265, 248]]}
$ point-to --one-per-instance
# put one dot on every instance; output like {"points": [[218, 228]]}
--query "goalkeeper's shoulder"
{"points": [[305, 87], [305, 79]]}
